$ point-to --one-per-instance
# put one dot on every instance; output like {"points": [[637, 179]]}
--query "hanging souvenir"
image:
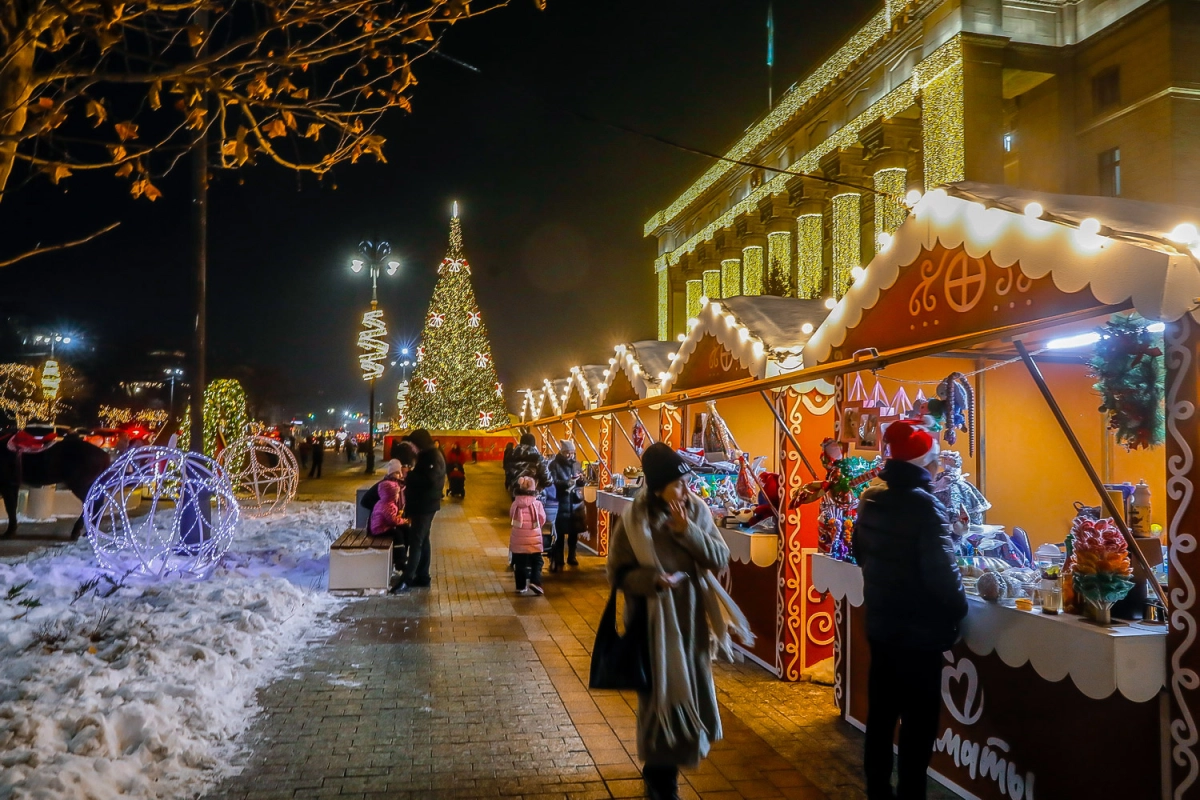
{"points": [[952, 488], [954, 406], [846, 478]]}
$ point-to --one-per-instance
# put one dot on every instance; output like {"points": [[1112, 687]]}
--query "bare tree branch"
{"points": [[37, 251]]}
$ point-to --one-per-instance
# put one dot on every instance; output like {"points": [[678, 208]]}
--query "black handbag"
{"points": [[621, 662]]}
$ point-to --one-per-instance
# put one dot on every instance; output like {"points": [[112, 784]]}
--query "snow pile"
{"points": [[137, 688]]}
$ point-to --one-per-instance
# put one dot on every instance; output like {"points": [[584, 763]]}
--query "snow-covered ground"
{"points": [[138, 689]]}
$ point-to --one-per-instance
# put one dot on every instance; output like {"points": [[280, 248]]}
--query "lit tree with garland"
{"points": [[454, 386]]}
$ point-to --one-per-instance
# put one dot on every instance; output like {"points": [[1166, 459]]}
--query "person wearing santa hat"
{"points": [[914, 600]]}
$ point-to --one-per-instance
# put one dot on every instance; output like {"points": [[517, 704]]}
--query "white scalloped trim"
{"points": [[1161, 285], [1126, 659], [723, 326]]}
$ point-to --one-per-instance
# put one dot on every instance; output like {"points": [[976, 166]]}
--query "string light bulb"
{"points": [[1185, 233], [913, 197], [830, 303], [806, 328], [1034, 211], [1090, 226], [858, 272]]}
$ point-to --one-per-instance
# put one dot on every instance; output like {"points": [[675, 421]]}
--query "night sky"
{"points": [[552, 205]]}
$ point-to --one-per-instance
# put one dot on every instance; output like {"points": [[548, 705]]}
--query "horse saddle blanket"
{"points": [[24, 442]]}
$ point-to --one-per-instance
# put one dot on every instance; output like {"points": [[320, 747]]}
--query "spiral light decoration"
{"points": [[373, 341], [192, 518]]}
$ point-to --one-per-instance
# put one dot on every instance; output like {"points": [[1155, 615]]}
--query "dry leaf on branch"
{"points": [[314, 131], [195, 118], [124, 170], [274, 129], [126, 130], [142, 187], [57, 172], [118, 152], [96, 112], [153, 95]]}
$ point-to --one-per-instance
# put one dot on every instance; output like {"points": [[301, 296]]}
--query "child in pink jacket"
{"points": [[388, 513], [525, 541]]}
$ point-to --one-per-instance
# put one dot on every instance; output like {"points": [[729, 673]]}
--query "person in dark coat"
{"points": [[564, 471], [526, 460], [423, 491], [318, 457], [914, 600]]}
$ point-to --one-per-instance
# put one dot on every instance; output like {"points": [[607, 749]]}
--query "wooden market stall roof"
{"points": [[584, 387], [754, 337], [957, 250], [635, 371]]}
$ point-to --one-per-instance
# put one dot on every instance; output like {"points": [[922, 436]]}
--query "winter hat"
{"points": [[908, 441], [661, 465], [392, 467], [526, 483]]}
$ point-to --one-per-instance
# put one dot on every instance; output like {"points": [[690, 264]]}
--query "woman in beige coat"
{"points": [[665, 552]]}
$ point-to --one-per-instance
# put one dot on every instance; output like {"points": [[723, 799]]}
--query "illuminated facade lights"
{"points": [[779, 263], [664, 305], [731, 277], [711, 283], [752, 270], [889, 211], [847, 239], [695, 290], [943, 133], [810, 265]]}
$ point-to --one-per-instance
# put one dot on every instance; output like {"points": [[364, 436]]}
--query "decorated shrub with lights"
{"points": [[225, 415], [454, 385], [190, 523]]}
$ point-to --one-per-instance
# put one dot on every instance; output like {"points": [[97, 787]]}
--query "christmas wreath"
{"points": [[1128, 366]]}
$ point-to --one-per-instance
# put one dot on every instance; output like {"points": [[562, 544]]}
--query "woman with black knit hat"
{"points": [[664, 554]]}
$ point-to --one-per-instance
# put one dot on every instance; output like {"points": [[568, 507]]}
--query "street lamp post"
{"points": [[375, 257], [172, 373]]}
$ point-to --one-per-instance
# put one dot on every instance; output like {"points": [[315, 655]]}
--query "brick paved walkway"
{"points": [[467, 690]]}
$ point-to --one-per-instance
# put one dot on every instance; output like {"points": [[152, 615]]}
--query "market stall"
{"points": [[1005, 309], [633, 373], [747, 338]]}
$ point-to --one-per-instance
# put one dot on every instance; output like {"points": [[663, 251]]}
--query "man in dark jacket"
{"points": [[318, 457], [564, 471], [526, 460], [914, 600], [422, 499]]}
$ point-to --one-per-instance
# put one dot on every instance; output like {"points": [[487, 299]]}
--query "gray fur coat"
{"points": [[678, 719]]}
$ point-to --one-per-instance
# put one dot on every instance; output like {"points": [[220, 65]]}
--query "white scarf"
{"points": [[673, 702]]}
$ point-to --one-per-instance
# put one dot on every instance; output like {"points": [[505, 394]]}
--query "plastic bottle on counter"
{"points": [[1139, 510]]}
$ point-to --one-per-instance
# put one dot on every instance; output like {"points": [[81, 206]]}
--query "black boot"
{"points": [[662, 781]]}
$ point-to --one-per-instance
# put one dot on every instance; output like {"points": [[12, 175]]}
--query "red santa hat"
{"points": [[908, 440]]}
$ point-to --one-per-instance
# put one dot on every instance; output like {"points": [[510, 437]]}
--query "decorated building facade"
{"points": [[1083, 97]]}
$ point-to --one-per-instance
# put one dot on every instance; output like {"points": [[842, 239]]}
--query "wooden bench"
{"points": [[360, 563]]}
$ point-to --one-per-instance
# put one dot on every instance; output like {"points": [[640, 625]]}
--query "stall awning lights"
{"points": [[1067, 342], [1156, 327]]}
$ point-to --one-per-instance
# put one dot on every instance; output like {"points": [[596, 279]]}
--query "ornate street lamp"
{"points": [[372, 340]]}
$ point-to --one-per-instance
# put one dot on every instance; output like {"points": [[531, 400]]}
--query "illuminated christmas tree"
{"points": [[454, 386]]}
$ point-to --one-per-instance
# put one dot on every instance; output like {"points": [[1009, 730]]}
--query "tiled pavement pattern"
{"points": [[467, 690]]}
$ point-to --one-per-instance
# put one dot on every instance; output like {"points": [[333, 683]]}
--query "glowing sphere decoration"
{"points": [[264, 474], [192, 518]]}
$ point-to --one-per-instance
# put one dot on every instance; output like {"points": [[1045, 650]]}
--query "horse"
{"points": [[71, 460]]}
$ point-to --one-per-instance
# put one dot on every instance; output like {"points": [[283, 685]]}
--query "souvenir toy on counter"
{"points": [[951, 487], [1100, 568], [770, 498], [846, 478]]}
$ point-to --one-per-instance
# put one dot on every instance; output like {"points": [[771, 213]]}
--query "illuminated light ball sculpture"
{"points": [[193, 514], [264, 474]]}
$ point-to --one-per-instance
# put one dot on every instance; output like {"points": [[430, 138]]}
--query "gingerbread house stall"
{"points": [[1011, 307], [745, 339]]}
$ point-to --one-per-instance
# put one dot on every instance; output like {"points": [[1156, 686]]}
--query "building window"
{"points": [[1106, 89], [1110, 172], [1008, 142]]}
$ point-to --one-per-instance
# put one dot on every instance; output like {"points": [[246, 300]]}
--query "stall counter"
{"points": [[1005, 700]]}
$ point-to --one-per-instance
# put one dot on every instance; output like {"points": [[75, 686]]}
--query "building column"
{"points": [[888, 145], [776, 219], [710, 281], [695, 290], [846, 209], [664, 303], [807, 199], [754, 245], [731, 263]]}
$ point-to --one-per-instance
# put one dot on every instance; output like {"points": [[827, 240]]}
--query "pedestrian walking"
{"points": [[474, 451], [424, 486], [564, 472], [525, 540], [664, 555], [318, 457], [914, 603], [304, 451]]}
